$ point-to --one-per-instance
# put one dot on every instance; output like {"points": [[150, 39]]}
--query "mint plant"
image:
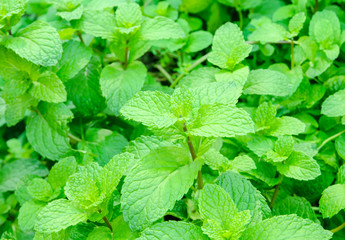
{"points": [[170, 119]]}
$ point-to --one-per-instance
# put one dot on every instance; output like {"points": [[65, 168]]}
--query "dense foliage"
{"points": [[177, 119]]}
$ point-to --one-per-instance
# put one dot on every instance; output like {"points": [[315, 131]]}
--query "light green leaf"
{"points": [[61, 171], [128, 17], [14, 172], [283, 147], [47, 130], [198, 41], [221, 121], [102, 4], [242, 163], [264, 116], [11, 12], [16, 108], [160, 28], [286, 126], [193, 79], [28, 214], [92, 22], [39, 43], [155, 183], [74, 58], [61, 235], [228, 48], [295, 205], [173, 230], [58, 215], [48, 87], [299, 166], [40, 189], [243, 4], [296, 23], [122, 229], [332, 200], [267, 31], [103, 233], [151, 109], [71, 15], [238, 76], [334, 105], [216, 204], [286, 227], [119, 85], [341, 175], [85, 85], [267, 82]]}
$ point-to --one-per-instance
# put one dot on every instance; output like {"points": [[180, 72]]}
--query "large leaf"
{"points": [[332, 200]]}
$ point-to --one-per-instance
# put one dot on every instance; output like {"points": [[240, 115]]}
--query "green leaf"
{"points": [[299, 166], [286, 126], [61, 171], [58, 215], [28, 214], [151, 109], [332, 200], [155, 183], [267, 31], [243, 4], [92, 22], [16, 109], [85, 85], [48, 87], [39, 43], [74, 58], [40, 189], [122, 229], [283, 147], [11, 12], [119, 85], [264, 116], [71, 15], [103, 233], [228, 48], [341, 175], [333, 105], [295, 205], [47, 130], [173, 230], [296, 23], [50, 236], [267, 82], [160, 28], [242, 163], [198, 41], [221, 121], [14, 172], [216, 204], [286, 227], [128, 17]]}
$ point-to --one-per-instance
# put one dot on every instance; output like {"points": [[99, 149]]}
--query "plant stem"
{"points": [[240, 15], [279, 42], [199, 179], [330, 139], [337, 229], [125, 63], [292, 55], [316, 6], [74, 138], [108, 223], [195, 64], [275, 194], [80, 37], [164, 72], [10, 32]]}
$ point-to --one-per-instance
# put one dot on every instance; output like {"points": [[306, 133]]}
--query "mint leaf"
{"points": [[119, 85], [16, 108], [128, 17], [39, 43], [40, 189], [332, 106], [12, 10], [173, 229], [28, 214], [160, 28], [100, 233], [296, 23], [221, 121], [286, 126], [267, 82], [58, 215], [47, 130], [332, 200], [155, 183], [286, 227], [299, 166], [228, 48], [198, 41], [48, 87], [151, 109], [61, 171]]}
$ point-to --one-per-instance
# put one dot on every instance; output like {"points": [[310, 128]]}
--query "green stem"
{"points": [[10, 32], [74, 138], [330, 139], [105, 219], [275, 194], [199, 179], [316, 6], [165, 73], [292, 55], [125, 62], [279, 42], [195, 64], [337, 229], [240, 15], [80, 37]]}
